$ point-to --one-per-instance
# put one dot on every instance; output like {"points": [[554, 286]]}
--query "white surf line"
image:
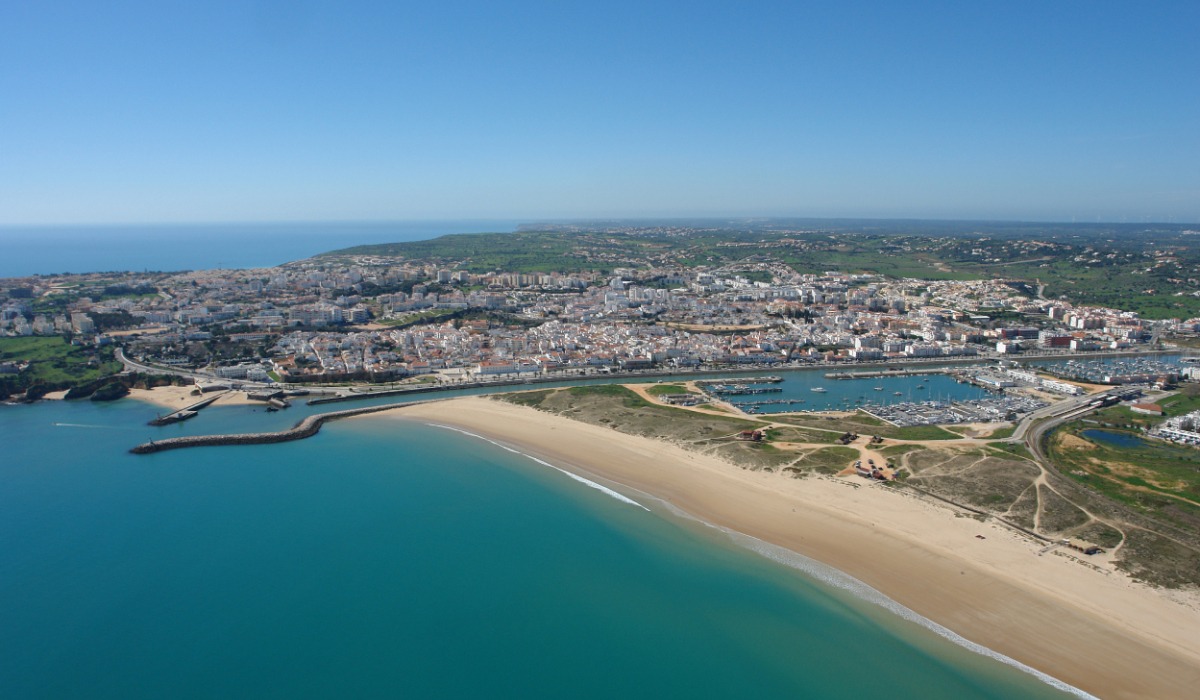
{"points": [[839, 579], [822, 572], [599, 487]]}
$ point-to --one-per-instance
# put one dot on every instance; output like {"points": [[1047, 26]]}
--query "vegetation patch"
{"points": [[54, 364], [1059, 514], [617, 407], [1157, 479], [864, 424], [667, 389]]}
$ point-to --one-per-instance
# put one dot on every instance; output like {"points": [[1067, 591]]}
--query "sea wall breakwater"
{"points": [[304, 429]]}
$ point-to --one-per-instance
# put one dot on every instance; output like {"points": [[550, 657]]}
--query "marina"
{"points": [[902, 372], [741, 389], [1125, 370]]}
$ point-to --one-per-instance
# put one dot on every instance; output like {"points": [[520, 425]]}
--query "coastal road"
{"points": [[1053, 411], [135, 366]]}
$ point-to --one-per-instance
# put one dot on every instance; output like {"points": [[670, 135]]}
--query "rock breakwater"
{"points": [[306, 428]]}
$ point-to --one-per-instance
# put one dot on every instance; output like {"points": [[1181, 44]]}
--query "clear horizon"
{"points": [[134, 113], [533, 220]]}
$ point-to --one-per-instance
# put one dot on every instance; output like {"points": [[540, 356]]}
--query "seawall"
{"points": [[306, 428]]}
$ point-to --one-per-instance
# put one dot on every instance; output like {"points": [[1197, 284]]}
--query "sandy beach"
{"points": [[1097, 631], [176, 397]]}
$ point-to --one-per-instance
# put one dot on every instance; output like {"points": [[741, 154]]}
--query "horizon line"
{"points": [[528, 221]]}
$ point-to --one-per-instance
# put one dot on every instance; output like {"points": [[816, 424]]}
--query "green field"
{"points": [[54, 363], [1156, 478], [1119, 266], [667, 389]]}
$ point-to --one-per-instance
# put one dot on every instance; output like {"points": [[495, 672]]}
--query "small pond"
{"points": [[1112, 439]]}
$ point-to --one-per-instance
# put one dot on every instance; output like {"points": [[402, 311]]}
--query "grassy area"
{"points": [[805, 435], [619, 408], [1013, 449], [1186, 400], [1001, 433], [864, 424], [918, 432], [828, 460], [55, 363], [899, 450], [665, 389], [1157, 479]]}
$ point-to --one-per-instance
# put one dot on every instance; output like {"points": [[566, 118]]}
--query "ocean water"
{"points": [[385, 558], [848, 394], [29, 250]]}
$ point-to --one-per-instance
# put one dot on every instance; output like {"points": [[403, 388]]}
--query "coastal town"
{"points": [[376, 320]]}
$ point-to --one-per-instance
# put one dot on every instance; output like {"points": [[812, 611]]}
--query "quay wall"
{"points": [[306, 428]]}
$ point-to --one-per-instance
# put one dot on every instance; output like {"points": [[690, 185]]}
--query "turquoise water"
{"points": [[384, 558], [848, 394]]}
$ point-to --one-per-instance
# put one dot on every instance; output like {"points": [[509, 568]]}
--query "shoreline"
{"points": [[177, 397], [1105, 635]]}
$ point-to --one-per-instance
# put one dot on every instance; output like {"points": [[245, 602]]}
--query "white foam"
{"points": [[821, 572], [599, 487], [841, 580]]}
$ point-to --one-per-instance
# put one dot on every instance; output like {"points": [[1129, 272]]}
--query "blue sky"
{"points": [[302, 110]]}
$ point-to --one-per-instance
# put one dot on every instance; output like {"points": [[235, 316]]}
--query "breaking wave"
{"points": [[816, 570], [843, 581], [599, 487]]}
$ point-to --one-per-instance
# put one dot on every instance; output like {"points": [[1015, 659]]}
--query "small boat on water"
{"points": [[896, 393], [820, 389], [878, 388]]}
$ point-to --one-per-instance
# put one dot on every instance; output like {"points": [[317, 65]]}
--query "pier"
{"points": [[185, 413], [306, 428], [769, 379], [741, 389], [870, 373]]}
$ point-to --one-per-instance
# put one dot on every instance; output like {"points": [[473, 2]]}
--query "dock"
{"points": [[769, 379], [185, 413], [741, 389], [870, 373]]}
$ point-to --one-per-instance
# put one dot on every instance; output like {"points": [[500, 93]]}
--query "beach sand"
{"points": [[177, 397], [1103, 633]]}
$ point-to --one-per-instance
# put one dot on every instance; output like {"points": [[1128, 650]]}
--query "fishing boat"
{"points": [[878, 388], [820, 389]]}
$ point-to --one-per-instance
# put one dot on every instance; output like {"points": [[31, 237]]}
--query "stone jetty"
{"points": [[305, 428]]}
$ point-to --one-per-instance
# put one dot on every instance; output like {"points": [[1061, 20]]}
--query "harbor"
{"points": [[187, 412], [1115, 371], [902, 372]]}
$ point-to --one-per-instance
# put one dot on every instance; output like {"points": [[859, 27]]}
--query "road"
{"points": [[195, 375], [1055, 412]]}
